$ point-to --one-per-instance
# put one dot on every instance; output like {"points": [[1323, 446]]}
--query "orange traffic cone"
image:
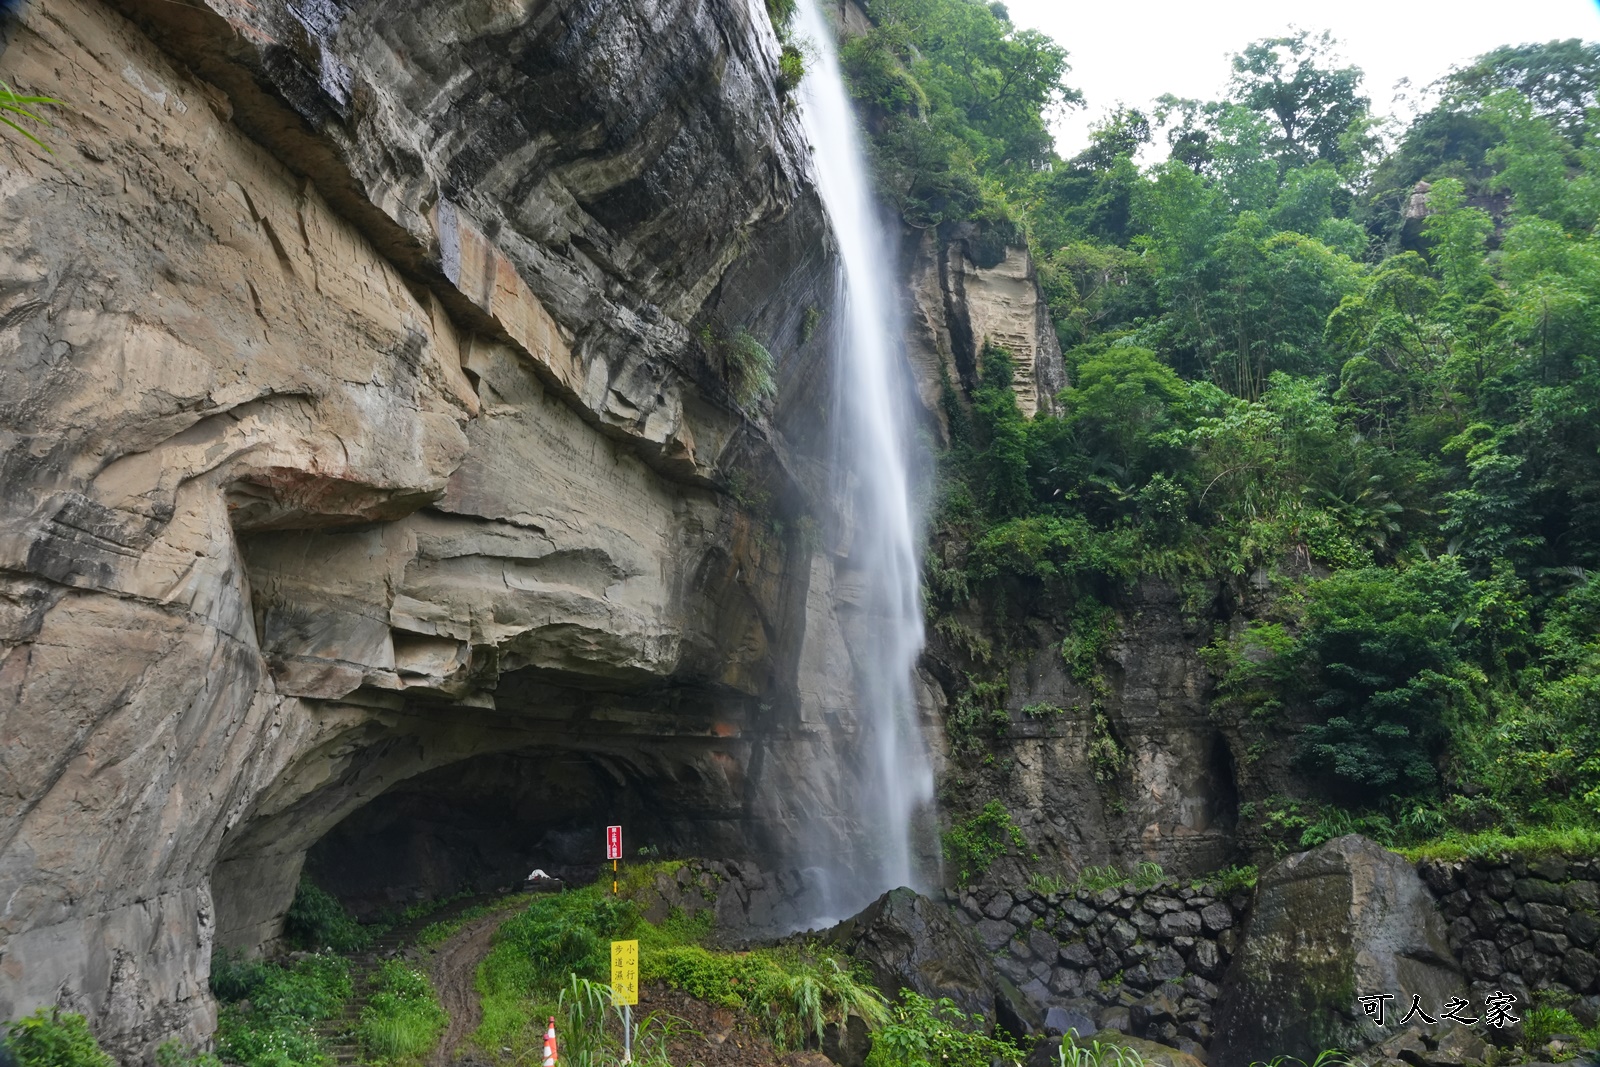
{"points": [[550, 1044]]}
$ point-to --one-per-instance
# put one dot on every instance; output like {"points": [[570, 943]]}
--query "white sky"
{"points": [[1134, 50]]}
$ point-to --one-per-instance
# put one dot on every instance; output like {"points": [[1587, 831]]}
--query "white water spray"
{"points": [[874, 442]]}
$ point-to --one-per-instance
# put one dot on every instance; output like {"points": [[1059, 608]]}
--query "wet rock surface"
{"points": [[1345, 920], [1140, 961], [909, 941], [1523, 925], [359, 426]]}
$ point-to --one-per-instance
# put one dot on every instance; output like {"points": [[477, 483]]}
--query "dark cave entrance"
{"points": [[483, 823]]}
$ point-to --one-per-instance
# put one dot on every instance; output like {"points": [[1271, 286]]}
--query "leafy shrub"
{"points": [[317, 921], [1232, 879], [1148, 875], [791, 69], [973, 846], [54, 1038], [403, 1017], [283, 1004], [233, 976], [920, 1031]]}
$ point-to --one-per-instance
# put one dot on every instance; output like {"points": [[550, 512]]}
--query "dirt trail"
{"points": [[453, 969]]}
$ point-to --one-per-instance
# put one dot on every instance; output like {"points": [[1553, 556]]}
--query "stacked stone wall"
{"points": [[1524, 926], [1143, 961]]}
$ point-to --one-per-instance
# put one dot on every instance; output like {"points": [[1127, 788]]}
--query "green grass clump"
{"points": [[1575, 841], [1229, 879], [284, 1004], [534, 953], [403, 1018], [1047, 885], [440, 932], [54, 1038], [920, 1031], [560, 947]]}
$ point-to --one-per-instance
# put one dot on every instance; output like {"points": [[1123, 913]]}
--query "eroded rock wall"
{"points": [[958, 308], [364, 415]]}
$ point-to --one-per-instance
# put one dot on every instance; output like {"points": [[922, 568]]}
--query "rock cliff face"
{"points": [[370, 440], [958, 309]]}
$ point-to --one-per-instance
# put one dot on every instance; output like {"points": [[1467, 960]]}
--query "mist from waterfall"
{"points": [[874, 442]]}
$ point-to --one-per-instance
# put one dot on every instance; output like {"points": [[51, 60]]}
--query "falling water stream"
{"points": [[874, 443]]}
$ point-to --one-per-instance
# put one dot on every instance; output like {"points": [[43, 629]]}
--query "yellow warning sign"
{"points": [[624, 972]]}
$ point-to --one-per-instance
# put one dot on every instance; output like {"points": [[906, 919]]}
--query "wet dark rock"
{"points": [[1059, 1021], [1583, 928], [1546, 917], [1077, 954], [1482, 959], [994, 933], [1582, 895], [1216, 918], [1550, 868], [910, 942], [999, 905], [1581, 970], [1177, 923], [1537, 891], [1344, 918]]}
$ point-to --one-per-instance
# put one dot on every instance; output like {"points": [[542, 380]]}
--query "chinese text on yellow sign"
{"points": [[625, 972]]}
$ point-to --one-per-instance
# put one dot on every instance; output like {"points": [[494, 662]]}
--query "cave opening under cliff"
{"points": [[485, 822]]}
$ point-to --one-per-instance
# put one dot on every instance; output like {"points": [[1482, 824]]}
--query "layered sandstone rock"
{"points": [[364, 419], [959, 308]]}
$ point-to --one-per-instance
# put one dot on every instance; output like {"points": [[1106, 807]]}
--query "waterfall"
{"points": [[874, 442]]}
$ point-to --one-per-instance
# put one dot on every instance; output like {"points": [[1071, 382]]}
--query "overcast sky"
{"points": [[1134, 50]]}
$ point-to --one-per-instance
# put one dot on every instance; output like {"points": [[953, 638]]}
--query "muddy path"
{"points": [[453, 969]]}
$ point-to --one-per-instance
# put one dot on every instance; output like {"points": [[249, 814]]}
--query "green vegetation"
{"points": [[54, 1038], [920, 1031], [1577, 842], [318, 922], [269, 1011], [440, 932], [15, 106], [560, 947], [175, 1054], [972, 846], [403, 1018], [1366, 405]]}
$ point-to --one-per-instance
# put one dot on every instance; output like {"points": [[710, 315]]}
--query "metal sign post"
{"points": [[625, 989]]}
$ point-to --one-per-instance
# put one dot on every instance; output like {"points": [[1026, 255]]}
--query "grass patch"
{"points": [[403, 1018], [269, 1011], [559, 946], [440, 932], [1577, 842]]}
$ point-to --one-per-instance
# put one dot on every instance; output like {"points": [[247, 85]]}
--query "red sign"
{"points": [[613, 842]]}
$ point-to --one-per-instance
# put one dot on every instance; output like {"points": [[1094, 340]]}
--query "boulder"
{"points": [[1345, 920], [910, 942]]}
